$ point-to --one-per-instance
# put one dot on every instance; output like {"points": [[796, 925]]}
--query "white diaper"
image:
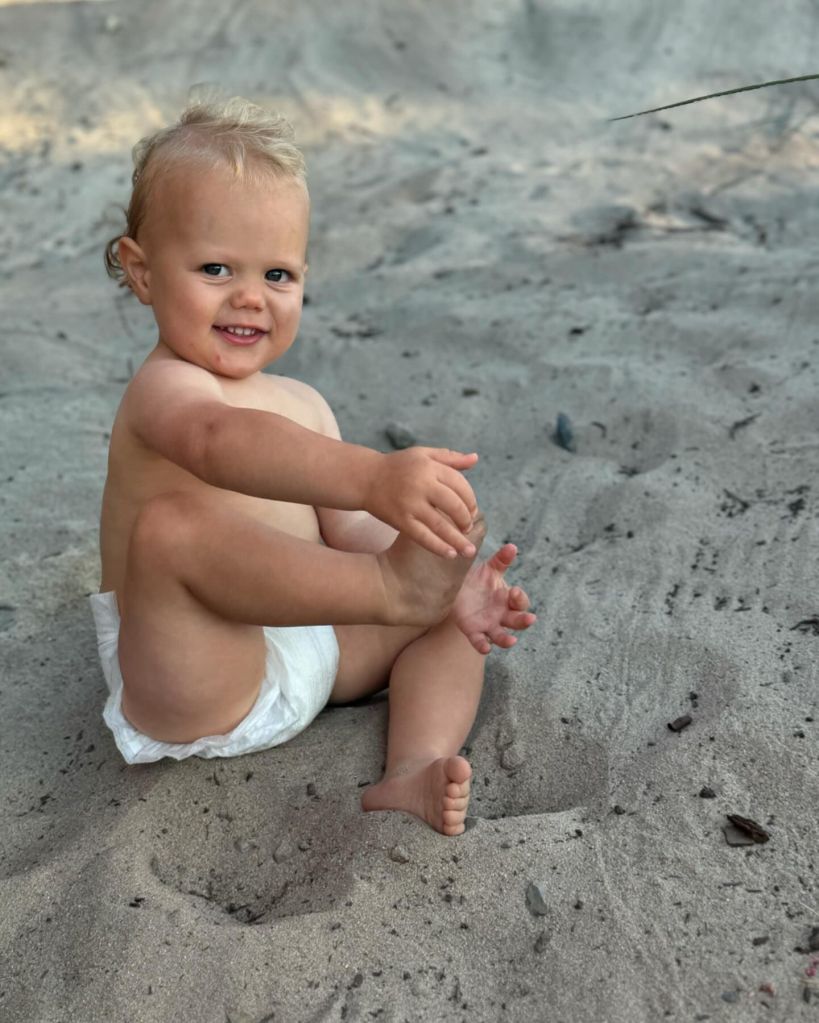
{"points": [[302, 662]]}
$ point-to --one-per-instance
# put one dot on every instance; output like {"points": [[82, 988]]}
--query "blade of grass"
{"points": [[712, 95]]}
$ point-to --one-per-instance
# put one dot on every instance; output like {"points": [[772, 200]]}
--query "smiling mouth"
{"points": [[240, 335]]}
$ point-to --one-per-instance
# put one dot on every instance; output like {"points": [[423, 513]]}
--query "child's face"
{"points": [[224, 265]]}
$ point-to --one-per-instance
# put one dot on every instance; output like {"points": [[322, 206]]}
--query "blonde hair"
{"points": [[234, 132]]}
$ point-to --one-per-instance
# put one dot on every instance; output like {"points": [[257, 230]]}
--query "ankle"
{"points": [[400, 603], [413, 764]]}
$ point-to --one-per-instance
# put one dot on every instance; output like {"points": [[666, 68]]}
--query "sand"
{"points": [[487, 252]]}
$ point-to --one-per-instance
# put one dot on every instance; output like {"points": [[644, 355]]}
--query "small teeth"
{"points": [[241, 331]]}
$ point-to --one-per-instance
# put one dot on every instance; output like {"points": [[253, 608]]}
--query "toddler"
{"points": [[254, 566]]}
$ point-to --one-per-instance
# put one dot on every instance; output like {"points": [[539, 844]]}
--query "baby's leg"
{"points": [[201, 578], [435, 688]]}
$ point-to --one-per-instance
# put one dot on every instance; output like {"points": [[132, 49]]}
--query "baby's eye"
{"points": [[277, 276], [215, 269]]}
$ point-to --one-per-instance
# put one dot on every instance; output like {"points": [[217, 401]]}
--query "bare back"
{"points": [[137, 473]]}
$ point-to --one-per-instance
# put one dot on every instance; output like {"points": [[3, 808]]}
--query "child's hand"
{"points": [[421, 492]]}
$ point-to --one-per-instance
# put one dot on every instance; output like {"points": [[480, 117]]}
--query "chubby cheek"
{"points": [[290, 316]]}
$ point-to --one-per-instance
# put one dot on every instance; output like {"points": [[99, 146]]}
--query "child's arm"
{"points": [[355, 531], [178, 410]]}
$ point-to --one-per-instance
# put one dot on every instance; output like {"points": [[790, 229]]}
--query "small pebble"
{"points": [[541, 941], [733, 836], [762, 940], [619, 810], [311, 789], [678, 724], [535, 901], [564, 435], [399, 436], [707, 793], [284, 851], [512, 759], [730, 996], [813, 940], [399, 854]]}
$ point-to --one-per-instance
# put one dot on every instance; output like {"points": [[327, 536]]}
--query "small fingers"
{"points": [[453, 504], [456, 484], [456, 459], [431, 541], [443, 527]]}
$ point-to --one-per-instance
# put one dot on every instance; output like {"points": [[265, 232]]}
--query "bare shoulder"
{"points": [[168, 404], [171, 381], [317, 413]]}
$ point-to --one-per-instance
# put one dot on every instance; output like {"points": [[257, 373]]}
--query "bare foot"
{"points": [[437, 791], [487, 606], [421, 586]]}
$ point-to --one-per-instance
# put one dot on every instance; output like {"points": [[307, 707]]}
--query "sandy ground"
{"points": [[487, 252]]}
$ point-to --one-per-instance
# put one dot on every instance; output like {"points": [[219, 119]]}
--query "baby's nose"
{"points": [[246, 296]]}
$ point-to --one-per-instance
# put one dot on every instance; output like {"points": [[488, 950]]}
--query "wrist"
{"points": [[362, 475]]}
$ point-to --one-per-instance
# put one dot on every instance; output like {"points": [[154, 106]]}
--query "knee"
{"points": [[161, 528]]}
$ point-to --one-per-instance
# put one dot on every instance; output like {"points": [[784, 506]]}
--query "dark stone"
{"points": [[564, 435], [733, 836], [678, 724], [813, 940], [399, 436], [707, 793], [749, 827], [535, 900]]}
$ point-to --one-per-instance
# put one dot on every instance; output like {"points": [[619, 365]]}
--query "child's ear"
{"points": [[133, 262]]}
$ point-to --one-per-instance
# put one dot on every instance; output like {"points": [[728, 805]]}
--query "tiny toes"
{"points": [[521, 620], [457, 804]]}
